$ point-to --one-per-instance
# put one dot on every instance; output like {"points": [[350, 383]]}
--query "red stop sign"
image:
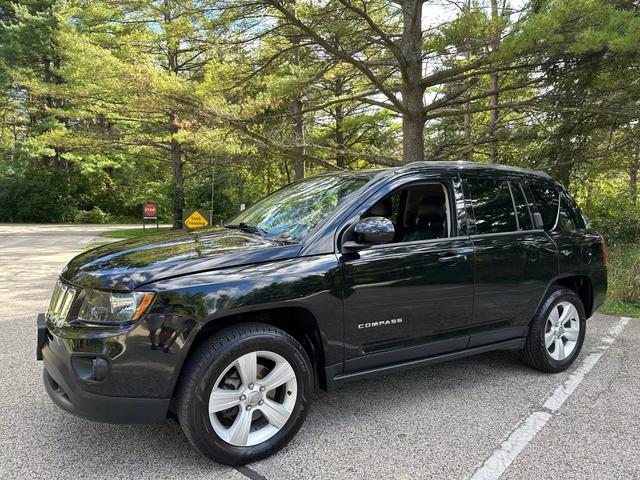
{"points": [[150, 210]]}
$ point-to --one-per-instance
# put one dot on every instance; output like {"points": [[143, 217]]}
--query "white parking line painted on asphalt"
{"points": [[564, 391], [527, 429]]}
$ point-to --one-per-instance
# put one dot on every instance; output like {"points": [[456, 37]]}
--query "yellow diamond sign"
{"points": [[196, 220]]}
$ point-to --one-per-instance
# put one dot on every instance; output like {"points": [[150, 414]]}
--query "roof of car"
{"points": [[441, 165], [465, 165]]}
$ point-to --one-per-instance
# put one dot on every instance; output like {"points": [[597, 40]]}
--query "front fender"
{"points": [[312, 283]]}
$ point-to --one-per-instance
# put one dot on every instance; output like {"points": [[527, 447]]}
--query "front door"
{"points": [[411, 298]]}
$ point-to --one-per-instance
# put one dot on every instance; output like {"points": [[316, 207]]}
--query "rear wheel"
{"points": [[245, 393], [557, 332]]}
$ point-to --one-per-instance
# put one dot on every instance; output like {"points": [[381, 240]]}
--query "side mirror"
{"points": [[538, 223], [370, 231]]}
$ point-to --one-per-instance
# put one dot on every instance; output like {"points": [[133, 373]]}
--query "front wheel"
{"points": [[556, 333], [245, 393]]}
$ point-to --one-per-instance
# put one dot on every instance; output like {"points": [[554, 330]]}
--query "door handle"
{"points": [[453, 258]]}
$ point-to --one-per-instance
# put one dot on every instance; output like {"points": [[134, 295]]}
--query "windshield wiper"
{"points": [[248, 228]]}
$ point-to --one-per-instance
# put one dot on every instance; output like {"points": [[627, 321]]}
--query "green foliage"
{"points": [[35, 195], [621, 309], [150, 230], [95, 215], [624, 275], [614, 216], [107, 105]]}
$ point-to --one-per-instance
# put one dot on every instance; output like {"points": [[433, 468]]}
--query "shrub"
{"points": [[612, 211], [617, 219], [95, 215]]}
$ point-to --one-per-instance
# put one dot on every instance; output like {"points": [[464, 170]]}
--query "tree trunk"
{"points": [[340, 157], [467, 105], [467, 124], [563, 170], [339, 118], [493, 118], [412, 139], [493, 86], [633, 182], [51, 102], [285, 164], [177, 165], [177, 174], [412, 91], [297, 117], [299, 165]]}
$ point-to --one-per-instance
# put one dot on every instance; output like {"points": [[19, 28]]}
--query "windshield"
{"points": [[292, 211]]}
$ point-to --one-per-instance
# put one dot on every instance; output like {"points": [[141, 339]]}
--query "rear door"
{"points": [[514, 262]]}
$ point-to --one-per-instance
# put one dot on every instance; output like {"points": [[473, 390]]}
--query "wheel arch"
{"points": [[298, 322], [581, 285]]}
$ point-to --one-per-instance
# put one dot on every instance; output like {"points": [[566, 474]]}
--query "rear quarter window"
{"points": [[570, 218]]}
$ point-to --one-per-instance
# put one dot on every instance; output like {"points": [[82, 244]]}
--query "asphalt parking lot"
{"points": [[484, 417]]}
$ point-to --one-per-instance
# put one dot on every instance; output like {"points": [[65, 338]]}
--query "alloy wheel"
{"points": [[253, 398], [562, 330]]}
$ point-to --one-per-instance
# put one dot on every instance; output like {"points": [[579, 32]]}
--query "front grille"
{"points": [[61, 301]]}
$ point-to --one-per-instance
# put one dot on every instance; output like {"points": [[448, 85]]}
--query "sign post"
{"points": [[196, 218], [150, 212]]}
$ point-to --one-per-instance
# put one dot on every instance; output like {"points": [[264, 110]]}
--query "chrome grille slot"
{"points": [[61, 301]]}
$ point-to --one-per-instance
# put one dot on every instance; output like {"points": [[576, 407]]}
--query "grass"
{"points": [[620, 309], [134, 232], [623, 295]]}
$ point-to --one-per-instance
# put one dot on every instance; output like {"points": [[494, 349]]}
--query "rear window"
{"points": [[547, 199], [492, 205], [570, 217]]}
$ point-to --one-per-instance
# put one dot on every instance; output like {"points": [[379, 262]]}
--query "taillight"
{"points": [[605, 259]]}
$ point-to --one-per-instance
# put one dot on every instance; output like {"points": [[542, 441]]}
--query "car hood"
{"points": [[129, 264]]}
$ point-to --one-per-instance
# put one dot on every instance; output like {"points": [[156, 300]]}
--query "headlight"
{"points": [[108, 307]]}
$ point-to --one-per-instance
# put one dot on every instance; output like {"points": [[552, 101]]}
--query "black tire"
{"points": [[210, 360], [535, 353]]}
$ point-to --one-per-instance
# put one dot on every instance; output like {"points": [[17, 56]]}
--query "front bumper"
{"points": [[65, 387]]}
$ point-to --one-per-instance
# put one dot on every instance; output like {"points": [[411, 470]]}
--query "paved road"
{"points": [[486, 417], [32, 255]]}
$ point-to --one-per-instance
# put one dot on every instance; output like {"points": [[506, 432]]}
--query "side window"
{"points": [[418, 212], [388, 207], [492, 205], [547, 199], [570, 217], [522, 206]]}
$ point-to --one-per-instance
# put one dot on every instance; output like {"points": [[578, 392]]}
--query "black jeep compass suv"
{"points": [[330, 279]]}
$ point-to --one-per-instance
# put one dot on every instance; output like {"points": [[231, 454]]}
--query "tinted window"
{"points": [[547, 198], [570, 218], [522, 207], [418, 212], [492, 205]]}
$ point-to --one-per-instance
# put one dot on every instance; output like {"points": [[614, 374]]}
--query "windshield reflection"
{"points": [[290, 213]]}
